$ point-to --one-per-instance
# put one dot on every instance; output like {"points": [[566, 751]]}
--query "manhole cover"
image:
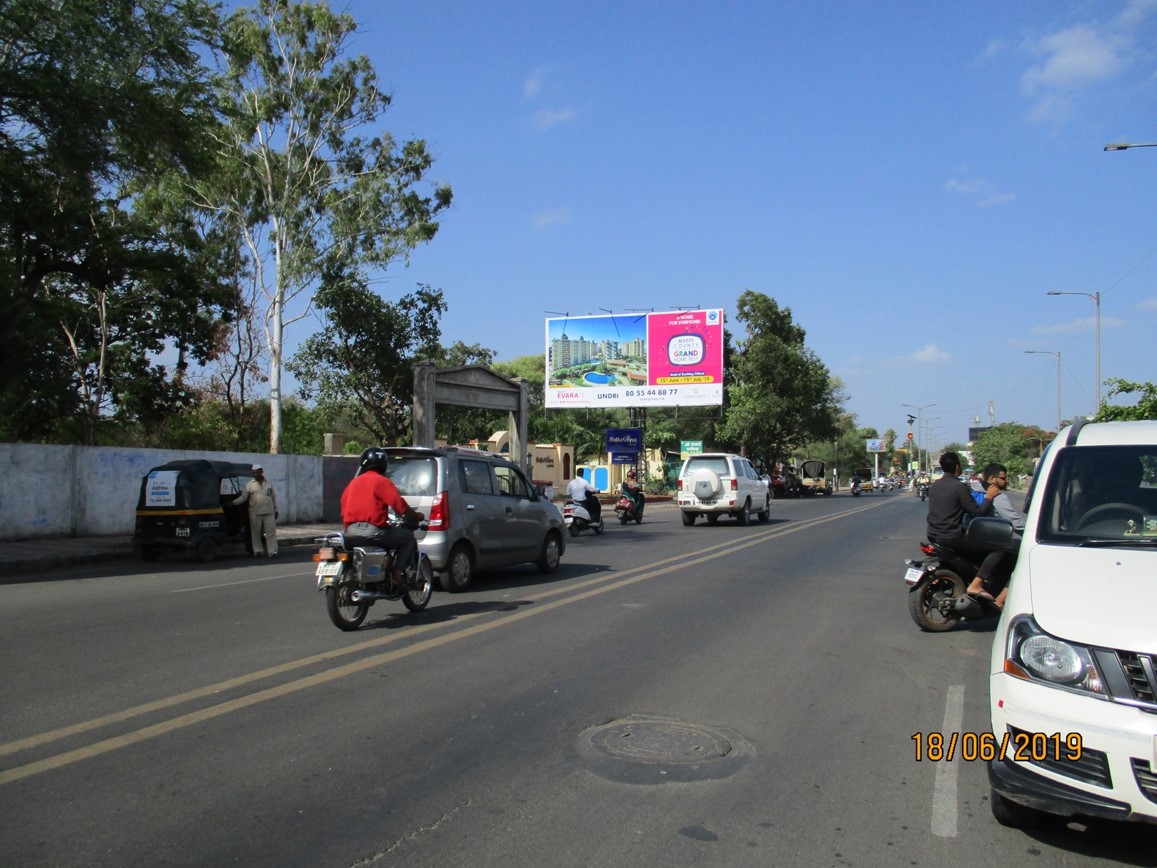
{"points": [[654, 750]]}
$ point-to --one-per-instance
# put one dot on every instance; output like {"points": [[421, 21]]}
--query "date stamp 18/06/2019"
{"points": [[985, 746]]}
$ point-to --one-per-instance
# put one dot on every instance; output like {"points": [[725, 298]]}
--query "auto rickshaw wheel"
{"points": [[150, 553], [206, 549]]}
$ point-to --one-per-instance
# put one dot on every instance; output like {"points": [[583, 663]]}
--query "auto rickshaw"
{"points": [[862, 480], [188, 505], [813, 477]]}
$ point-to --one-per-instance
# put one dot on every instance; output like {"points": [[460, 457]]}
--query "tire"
{"points": [[765, 513], [600, 527], [1015, 815], [574, 530], [743, 517], [623, 519], [638, 518], [855, 492], [206, 549], [923, 599], [150, 553], [689, 519], [712, 517], [547, 562], [346, 615], [417, 600], [459, 570]]}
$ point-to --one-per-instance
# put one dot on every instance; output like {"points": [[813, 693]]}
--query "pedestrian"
{"points": [[262, 513]]}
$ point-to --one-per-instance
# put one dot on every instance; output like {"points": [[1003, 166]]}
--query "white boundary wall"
{"points": [[52, 491]]}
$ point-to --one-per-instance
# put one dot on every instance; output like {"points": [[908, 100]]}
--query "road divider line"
{"points": [[944, 801], [576, 593]]}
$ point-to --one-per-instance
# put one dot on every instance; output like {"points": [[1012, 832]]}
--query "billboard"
{"points": [[668, 359], [876, 446]]}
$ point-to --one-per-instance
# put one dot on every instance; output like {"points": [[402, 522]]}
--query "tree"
{"points": [[362, 361], [1005, 444], [1145, 408], [319, 206], [779, 393], [96, 100]]}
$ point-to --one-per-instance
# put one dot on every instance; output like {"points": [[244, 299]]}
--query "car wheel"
{"points": [[688, 519], [744, 514], [459, 570], [150, 553], [551, 553], [206, 550], [1015, 815], [765, 513]]}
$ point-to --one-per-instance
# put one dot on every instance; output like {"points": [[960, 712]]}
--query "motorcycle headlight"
{"points": [[1034, 655]]}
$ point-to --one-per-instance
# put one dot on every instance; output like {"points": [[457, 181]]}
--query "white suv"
{"points": [[720, 483], [1073, 680]]}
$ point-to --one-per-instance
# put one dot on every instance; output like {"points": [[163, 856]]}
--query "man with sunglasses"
{"points": [[992, 579]]}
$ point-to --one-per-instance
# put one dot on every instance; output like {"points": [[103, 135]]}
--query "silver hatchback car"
{"points": [[482, 509]]}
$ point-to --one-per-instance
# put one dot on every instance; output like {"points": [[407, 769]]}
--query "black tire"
{"points": [[417, 600], [743, 517], [765, 514], [855, 492], [150, 553], [712, 517], [345, 614], [574, 529], [459, 570], [1015, 815], [547, 562], [599, 528], [623, 519], [689, 519], [206, 549], [638, 518], [924, 602]]}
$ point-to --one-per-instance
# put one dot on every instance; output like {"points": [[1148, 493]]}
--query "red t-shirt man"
{"points": [[365, 506]]}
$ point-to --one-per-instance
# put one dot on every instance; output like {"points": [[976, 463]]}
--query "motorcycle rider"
{"points": [[995, 570], [581, 491], [634, 491], [950, 502], [365, 506]]}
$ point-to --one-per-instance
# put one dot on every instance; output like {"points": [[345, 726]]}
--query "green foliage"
{"points": [[99, 100], [1145, 408], [1012, 444], [779, 394]]}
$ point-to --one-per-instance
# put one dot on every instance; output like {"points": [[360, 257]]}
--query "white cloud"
{"points": [[926, 357], [1149, 304], [1081, 325], [544, 220], [984, 192], [546, 119], [532, 87]]}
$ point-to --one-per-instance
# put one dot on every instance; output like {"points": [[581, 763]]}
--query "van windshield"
{"points": [[1101, 494]]}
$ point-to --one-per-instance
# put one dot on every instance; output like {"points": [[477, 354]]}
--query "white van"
{"points": [[1073, 677]]}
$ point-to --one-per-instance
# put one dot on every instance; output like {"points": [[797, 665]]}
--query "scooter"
{"points": [[937, 600], [626, 512], [577, 519], [922, 490], [355, 573]]}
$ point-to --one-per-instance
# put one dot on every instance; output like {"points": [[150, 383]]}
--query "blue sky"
{"points": [[909, 178]]}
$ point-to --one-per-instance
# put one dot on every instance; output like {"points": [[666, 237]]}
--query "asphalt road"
{"points": [[716, 695]]}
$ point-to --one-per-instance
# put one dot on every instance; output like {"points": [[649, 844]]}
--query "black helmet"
{"points": [[373, 458]]}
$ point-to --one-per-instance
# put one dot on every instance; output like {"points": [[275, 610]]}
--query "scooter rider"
{"points": [[581, 491], [632, 490], [365, 506]]}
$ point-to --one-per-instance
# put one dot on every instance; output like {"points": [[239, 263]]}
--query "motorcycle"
{"points": [[626, 512], [922, 490], [577, 519], [936, 590], [356, 573], [855, 487]]}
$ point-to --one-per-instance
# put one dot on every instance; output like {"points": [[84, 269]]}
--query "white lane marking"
{"points": [[944, 792]]}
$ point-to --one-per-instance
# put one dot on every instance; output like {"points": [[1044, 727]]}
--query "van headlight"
{"points": [[1034, 655]]}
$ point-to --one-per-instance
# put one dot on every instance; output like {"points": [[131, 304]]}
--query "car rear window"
{"points": [[720, 465], [415, 476]]}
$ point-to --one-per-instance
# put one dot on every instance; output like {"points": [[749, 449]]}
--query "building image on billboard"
{"points": [[634, 360]]}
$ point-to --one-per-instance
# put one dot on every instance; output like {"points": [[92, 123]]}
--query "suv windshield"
{"points": [[717, 463], [1101, 494]]}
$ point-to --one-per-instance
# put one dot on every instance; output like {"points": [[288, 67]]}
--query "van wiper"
{"points": [[1132, 543]]}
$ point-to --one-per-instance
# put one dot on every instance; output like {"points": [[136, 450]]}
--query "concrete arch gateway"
{"points": [[470, 386]]}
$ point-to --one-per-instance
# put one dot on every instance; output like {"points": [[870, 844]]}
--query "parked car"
{"points": [[721, 483], [813, 477], [483, 511], [1073, 684]]}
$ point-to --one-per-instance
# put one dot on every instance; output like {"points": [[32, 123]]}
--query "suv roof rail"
{"points": [[1075, 431]]}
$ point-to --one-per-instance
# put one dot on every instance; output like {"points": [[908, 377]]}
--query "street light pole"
{"points": [[1096, 297], [1056, 353], [1122, 146], [919, 408]]}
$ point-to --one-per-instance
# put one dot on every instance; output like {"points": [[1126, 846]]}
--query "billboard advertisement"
{"points": [[876, 446], [668, 359]]}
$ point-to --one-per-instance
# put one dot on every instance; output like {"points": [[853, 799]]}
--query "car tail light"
{"points": [[734, 484], [439, 516], [680, 483]]}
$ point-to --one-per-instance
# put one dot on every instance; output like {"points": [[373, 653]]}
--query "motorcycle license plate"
{"points": [[912, 575], [327, 571]]}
